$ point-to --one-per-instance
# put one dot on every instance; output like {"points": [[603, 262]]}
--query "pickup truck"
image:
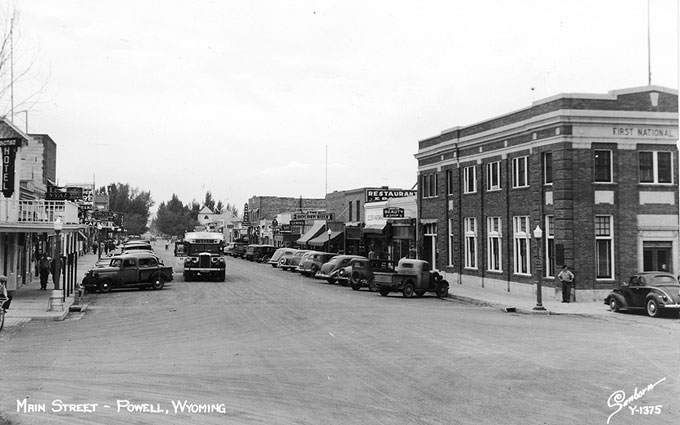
{"points": [[134, 270], [411, 277]]}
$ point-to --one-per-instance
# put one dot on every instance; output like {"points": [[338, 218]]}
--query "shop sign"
{"points": [[246, 214], [313, 215], [378, 195], [393, 212], [297, 222], [56, 193], [9, 152]]}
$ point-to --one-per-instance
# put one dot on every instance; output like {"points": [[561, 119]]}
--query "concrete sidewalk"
{"points": [[524, 303], [30, 303]]}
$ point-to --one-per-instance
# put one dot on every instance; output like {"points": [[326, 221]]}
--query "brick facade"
{"points": [[605, 230]]}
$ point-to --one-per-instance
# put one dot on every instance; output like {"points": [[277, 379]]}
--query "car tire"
{"points": [[443, 290], [157, 281], [356, 278], [652, 308], [104, 286], [384, 292], [355, 286], [187, 277], [408, 290], [420, 294], [371, 285], [614, 305]]}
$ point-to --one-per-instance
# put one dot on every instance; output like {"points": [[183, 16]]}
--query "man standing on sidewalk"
{"points": [[567, 278]]}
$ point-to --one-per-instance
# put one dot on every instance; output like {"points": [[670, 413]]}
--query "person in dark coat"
{"points": [[43, 271]]}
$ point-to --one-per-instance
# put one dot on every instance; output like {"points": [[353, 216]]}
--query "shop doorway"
{"points": [[657, 256], [430, 244]]}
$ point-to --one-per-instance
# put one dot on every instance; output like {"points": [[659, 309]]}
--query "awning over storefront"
{"points": [[323, 238], [374, 228], [82, 235], [317, 227]]}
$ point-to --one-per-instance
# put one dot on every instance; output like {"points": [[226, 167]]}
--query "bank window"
{"points": [[494, 247], [522, 247], [655, 167], [604, 254], [520, 172], [493, 176], [602, 166], [550, 246], [430, 185], [470, 179], [449, 182], [547, 168], [470, 242]]}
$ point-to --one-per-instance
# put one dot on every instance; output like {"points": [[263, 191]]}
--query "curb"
{"points": [[512, 309]]}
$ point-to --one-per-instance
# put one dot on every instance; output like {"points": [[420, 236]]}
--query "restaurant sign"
{"points": [[378, 195], [313, 215]]}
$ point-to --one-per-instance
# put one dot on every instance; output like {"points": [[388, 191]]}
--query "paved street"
{"points": [[272, 347]]}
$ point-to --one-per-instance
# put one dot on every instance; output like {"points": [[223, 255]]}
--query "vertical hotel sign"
{"points": [[9, 153]]}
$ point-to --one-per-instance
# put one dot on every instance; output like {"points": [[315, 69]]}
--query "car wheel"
{"points": [[105, 286], [223, 276], [187, 277], [614, 305], [158, 282], [384, 292], [330, 280], [355, 286], [419, 294], [371, 285], [356, 278], [443, 291], [408, 290], [652, 307]]}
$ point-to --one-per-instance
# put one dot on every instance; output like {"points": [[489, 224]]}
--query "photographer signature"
{"points": [[618, 400]]}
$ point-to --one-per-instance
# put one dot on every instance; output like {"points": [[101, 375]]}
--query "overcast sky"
{"points": [[247, 98]]}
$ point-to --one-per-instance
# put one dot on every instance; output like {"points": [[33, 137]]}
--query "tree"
{"points": [[209, 201], [133, 204], [16, 67], [231, 208], [175, 218]]}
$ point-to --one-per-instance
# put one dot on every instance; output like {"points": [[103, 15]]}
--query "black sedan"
{"points": [[655, 292]]}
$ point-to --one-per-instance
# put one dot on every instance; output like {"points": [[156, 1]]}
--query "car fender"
{"points": [[623, 304]]}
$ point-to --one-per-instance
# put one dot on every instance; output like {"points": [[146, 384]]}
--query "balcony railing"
{"points": [[38, 211]]}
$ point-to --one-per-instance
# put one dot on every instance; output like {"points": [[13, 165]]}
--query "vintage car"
{"points": [[295, 260], [138, 245], [259, 253], [281, 256], [654, 292], [239, 250], [232, 247], [312, 261], [359, 272], [136, 270], [331, 270], [411, 277]]}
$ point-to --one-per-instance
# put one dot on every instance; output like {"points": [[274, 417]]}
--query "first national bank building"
{"points": [[595, 174]]}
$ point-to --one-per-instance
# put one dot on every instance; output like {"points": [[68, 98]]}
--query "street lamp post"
{"points": [[538, 235], [58, 226], [329, 240]]}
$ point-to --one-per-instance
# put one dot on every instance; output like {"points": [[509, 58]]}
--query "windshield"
{"points": [[196, 249]]}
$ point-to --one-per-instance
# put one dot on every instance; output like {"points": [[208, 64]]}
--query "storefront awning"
{"points": [[82, 235], [374, 228], [323, 238], [311, 233]]}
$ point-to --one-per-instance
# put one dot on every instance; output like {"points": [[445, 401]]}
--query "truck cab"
{"points": [[411, 277]]}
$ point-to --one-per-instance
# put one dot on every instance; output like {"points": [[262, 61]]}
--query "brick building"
{"points": [[264, 209], [596, 174]]}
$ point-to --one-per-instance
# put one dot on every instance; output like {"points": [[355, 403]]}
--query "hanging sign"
{"points": [[246, 218], [393, 212], [9, 152]]}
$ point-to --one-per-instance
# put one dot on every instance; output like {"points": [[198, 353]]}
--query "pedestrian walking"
{"points": [[567, 279], [44, 271], [55, 269]]}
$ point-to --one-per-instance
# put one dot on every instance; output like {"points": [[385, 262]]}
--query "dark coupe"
{"points": [[655, 292]]}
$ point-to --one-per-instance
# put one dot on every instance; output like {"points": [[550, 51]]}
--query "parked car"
{"points": [[295, 260], [259, 253], [330, 270], [137, 270], [279, 254], [655, 292], [312, 261], [138, 245], [411, 277], [239, 250], [359, 272]]}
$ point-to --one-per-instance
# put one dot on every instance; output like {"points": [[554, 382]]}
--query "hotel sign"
{"points": [[9, 152], [378, 195]]}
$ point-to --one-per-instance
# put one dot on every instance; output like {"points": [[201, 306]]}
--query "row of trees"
{"points": [[172, 218]]}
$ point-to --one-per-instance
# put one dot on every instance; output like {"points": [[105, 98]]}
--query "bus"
{"points": [[203, 253]]}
